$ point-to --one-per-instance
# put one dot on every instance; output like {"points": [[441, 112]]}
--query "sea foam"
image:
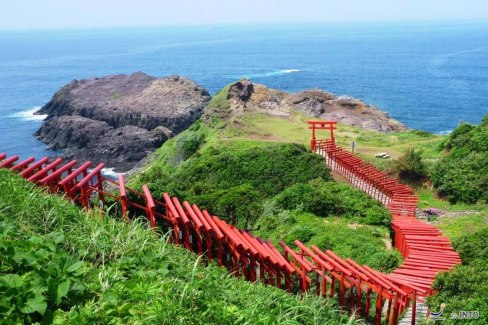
{"points": [[444, 132], [269, 74], [28, 115], [110, 173]]}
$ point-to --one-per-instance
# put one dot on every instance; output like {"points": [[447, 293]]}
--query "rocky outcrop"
{"points": [[120, 119], [245, 96]]}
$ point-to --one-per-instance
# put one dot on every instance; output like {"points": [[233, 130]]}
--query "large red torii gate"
{"points": [[320, 125]]}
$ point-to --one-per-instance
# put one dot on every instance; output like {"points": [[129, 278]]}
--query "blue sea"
{"points": [[429, 76]]}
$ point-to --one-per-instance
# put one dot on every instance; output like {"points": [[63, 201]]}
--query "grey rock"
{"points": [[120, 119], [247, 96]]}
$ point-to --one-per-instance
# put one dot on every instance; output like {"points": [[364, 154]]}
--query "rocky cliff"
{"points": [[120, 119], [246, 96]]}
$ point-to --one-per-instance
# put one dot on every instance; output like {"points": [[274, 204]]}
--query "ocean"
{"points": [[430, 76]]}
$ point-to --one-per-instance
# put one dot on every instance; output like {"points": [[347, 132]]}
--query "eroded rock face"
{"points": [[245, 95], [120, 119]]}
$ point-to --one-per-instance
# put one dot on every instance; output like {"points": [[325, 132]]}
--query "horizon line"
{"points": [[242, 24]]}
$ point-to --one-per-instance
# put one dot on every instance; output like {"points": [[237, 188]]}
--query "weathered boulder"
{"points": [[120, 119]]}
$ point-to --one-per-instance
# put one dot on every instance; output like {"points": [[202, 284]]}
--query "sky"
{"points": [[52, 14]]}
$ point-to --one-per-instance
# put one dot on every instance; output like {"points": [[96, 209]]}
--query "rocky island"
{"points": [[120, 119]]}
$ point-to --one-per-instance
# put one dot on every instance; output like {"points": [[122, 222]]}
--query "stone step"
{"points": [[420, 314]]}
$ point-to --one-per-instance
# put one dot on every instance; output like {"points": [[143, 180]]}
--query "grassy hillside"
{"points": [[60, 265], [227, 153], [255, 178]]}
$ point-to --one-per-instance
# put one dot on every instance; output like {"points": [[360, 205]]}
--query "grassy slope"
{"points": [[455, 226], [367, 144], [127, 275], [253, 130], [204, 173], [256, 129]]}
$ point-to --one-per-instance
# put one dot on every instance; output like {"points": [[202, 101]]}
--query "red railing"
{"points": [[354, 286]]}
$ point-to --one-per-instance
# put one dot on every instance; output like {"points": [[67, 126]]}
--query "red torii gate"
{"points": [[321, 125], [426, 252]]}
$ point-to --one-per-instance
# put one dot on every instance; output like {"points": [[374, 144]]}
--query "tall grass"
{"points": [[133, 276]]}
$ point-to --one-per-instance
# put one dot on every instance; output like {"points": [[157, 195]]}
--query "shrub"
{"points": [[462, 175], [410, 166], [239, 204], [463, 179], [226, 178], [465, 287], [324, 199], [362, 243], [189, 142]]}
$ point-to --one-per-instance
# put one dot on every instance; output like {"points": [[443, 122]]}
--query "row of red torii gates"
{"points": [[356, 288]]}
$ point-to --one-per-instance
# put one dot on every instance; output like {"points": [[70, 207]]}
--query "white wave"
{"points": [[290, 70], [110, 173], [269, 74], [445, 132], [28, 115]]}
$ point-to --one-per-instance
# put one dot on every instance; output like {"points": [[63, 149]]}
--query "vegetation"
{"points": [[254, 183], [332, 199], [462, 175], [410, 166], [59, 265], [457, 226], [464, 288], [315, 209], [364, 244], [219, 101], [234, 179]]}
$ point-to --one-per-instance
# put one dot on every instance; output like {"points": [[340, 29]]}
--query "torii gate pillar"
{"points": [[321, 125]]}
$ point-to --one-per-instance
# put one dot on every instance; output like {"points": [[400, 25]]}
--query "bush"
{"points": [[189, 142], [465, 287], [237, 204], [410, 166], [473, 248], [462, 175], [464, 180], [228, 177], [324, 199]]}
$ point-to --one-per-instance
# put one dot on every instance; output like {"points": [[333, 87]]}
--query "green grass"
{"points": [[455, 227], [295, 129], [127, 275], [429, 198], [219, 101], [237, 175]]}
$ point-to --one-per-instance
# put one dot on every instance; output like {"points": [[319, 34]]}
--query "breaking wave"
{"points": [[28, 115], [269, 74], [110, 173]]}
